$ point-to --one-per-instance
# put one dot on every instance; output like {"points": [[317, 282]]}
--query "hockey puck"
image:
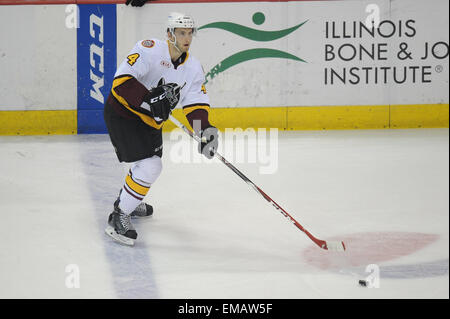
{"points": [[363, 283]]}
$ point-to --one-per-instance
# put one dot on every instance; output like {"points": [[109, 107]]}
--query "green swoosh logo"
{"points": [[249, 33], [247, 55]]}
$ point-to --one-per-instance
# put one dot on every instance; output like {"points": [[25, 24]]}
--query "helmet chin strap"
{"points": [[176, 47], [174, 43]]}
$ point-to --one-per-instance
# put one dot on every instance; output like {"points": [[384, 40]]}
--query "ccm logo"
{"points": [[158, 98], [96, 50]]}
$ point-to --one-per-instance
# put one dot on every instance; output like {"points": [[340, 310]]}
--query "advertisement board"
{"points": [[284, 64]]}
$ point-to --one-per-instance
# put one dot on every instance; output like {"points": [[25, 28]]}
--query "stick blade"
{"points": [[334, 245]]}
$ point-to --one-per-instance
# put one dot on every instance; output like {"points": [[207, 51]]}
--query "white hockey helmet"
{"points": [[180, 20]]}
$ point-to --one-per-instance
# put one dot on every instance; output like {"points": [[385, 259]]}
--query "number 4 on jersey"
{"points": [[132, 58]]}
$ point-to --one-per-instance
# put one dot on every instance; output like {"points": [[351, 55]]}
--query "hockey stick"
{"points": [[328, 245]]}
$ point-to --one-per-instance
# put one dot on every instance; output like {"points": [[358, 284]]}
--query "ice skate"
{"points": [[120, 228], [143, 210]]}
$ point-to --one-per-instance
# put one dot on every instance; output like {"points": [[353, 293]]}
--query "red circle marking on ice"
{"points": [[368, 248]]}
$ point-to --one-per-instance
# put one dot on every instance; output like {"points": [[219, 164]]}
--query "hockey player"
{"points": [[147, 86]]}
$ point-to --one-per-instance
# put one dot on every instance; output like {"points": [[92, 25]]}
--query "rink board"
{"points": [[287, 65], [288, 118]]}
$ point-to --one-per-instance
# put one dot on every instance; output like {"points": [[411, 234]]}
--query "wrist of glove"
{"points": [[162, 100], [209, 141]]}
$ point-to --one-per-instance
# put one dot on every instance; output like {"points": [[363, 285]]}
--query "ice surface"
{"points": [[384, 192]]}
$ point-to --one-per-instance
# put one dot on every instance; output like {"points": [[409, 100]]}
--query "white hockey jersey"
{"points": [[149, 61]]}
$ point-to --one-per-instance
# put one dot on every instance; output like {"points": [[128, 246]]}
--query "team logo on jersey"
{"points": [[165, 63], [148, 43]]}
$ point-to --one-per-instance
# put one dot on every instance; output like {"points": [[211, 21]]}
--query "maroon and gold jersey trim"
{"points": [[145, 118], [191, 108]]}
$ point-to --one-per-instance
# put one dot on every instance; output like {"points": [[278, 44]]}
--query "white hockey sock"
{"points": [[128, 203], [137, 183]]}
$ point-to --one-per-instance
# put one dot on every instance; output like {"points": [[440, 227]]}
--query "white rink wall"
{"points": [[38, 54], [291, 65], [38, 62], [283, 82]]}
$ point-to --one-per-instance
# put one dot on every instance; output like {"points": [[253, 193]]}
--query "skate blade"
{"points": [[119, 238]]}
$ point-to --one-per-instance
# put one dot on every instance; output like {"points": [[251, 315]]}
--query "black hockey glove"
{"points": [[163, 99], [137, 3], [210, 141]]}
